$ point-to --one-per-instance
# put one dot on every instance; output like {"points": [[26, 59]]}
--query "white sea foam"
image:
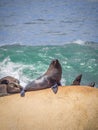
{"points": [[63, 81], [80, 42], [82, 64], [9, 68]]}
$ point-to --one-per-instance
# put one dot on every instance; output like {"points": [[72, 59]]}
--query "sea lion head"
{"points": [[55, 64], [55, 70], [14, 87], [9, 79]]}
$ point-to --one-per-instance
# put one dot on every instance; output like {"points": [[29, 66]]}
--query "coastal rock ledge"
{"points": [[72, 108]]}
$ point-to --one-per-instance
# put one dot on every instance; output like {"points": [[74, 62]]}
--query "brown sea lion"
{"points": [[9, 85], [77, 80], [9, 79], [3, 90], [50, 79]]}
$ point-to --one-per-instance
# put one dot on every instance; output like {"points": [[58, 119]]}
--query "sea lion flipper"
{"points": [[4, 81], [22, 93], [77, 80], [54, 88], [92, 84], [59, 84]]}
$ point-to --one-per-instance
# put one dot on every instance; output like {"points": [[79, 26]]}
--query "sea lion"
{"points": [[9, 79], [9, 85], [3, 90], [50, 79], [77, 80]]}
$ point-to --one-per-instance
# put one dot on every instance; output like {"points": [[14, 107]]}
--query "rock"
{"points": [[72, 108]]}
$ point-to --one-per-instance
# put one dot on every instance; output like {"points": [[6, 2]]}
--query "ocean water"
{"points": [[29, 62], [34, 32], [48, 22]]}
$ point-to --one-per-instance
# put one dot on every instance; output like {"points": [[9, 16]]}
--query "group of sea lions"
{"points": [[9, 85], [50, 79]]}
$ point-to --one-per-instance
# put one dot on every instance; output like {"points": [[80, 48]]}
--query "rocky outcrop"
{"points": [[72, 108]]}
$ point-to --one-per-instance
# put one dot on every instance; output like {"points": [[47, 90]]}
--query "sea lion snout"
{"points": [[55, 61]]}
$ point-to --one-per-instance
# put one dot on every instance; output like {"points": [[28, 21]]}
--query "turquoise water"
{"points": [[29, 62]]}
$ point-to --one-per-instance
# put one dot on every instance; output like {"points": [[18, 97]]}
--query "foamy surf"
{"points": [[80, 42], [9, 68], [29, 62]]}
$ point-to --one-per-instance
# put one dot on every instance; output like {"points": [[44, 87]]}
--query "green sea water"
{"points": [[29, 62]]}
